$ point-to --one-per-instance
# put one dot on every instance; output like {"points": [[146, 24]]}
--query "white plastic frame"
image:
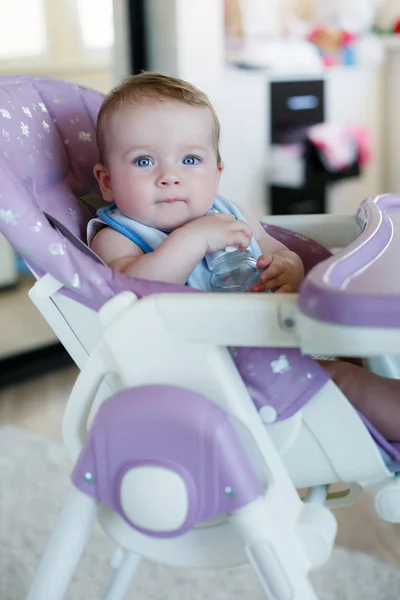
{"points": [[282, 537]]}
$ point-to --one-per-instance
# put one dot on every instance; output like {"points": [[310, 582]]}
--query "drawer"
{"points": [[295, 104]]}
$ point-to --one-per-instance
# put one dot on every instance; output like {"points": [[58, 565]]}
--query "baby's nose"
{"points": [[167, 179]]}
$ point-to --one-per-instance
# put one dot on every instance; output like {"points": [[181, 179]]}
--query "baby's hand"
{"points": [[221, 230], [280, 273]]}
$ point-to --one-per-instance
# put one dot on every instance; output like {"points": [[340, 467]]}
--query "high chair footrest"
{"points": [[165, 458]]}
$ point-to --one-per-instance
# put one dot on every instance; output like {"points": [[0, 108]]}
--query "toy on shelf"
{"points": [[342, 30]]}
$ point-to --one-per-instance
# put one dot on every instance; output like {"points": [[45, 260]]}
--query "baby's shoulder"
{"points": [[111, 245], [252, 221]]}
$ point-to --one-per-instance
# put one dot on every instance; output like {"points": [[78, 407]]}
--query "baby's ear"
{"points": [[104, 180], [220, 169]]}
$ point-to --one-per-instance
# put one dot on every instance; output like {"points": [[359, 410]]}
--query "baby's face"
{"points": [[162, 164]]}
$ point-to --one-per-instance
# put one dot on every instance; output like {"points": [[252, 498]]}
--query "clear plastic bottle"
{"points": [[233, 271]]}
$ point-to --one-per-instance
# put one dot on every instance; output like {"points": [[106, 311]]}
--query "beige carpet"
{"points": [[33, 484]]}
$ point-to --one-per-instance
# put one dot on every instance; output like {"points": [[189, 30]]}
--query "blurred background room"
{"points": [[307, 94]]}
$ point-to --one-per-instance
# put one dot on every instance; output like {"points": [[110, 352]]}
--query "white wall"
{"points": [[186, 40], [391, 114], [243, 114], [356, 95]]}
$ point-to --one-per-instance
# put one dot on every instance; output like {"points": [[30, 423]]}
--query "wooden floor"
{"points": [[38, 406], [22, 328]]}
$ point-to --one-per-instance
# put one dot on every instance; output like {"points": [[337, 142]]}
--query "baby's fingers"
{"points": [[243, 233], [243, 226], [264, 261], [274, 270], [258, 288], [240, 239], [275, 282]]}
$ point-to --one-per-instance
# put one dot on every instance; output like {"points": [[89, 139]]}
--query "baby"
{"points": [[160, 164], [159, 169]]}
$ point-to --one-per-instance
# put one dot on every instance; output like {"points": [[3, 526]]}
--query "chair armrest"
{"points": [[331, 231], [272, 320], [230, 320]]}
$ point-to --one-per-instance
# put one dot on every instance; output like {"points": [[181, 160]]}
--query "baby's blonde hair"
{"points": [[153, 85]]}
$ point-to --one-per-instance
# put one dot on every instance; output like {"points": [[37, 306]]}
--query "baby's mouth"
{"points": [[171, 200]]}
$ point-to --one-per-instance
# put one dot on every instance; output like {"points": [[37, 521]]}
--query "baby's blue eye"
{"points": [[143, 161], [191, 160]]}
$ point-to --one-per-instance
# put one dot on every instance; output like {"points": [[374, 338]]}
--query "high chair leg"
{"points": [[281, 570], [122, 579], [65, 548]]}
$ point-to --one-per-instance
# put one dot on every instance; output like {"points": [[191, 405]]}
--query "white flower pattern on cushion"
{"points": [[76, 281], [27, 111], [25, 129], [85, 136], [6, 135], [96, 278], [5, 113], [43, 107], [37, 227], [9, 217], [280, 365], [58, 248], [46, 126]]}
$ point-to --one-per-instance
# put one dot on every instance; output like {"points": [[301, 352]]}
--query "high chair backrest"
{"points": [[48, 143], [48, 149], [47, 153]]}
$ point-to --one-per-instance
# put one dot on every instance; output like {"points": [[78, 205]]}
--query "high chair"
{"points": [[171, 454]]}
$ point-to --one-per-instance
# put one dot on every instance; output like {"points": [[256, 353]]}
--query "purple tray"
{"points": [[360, 285]]}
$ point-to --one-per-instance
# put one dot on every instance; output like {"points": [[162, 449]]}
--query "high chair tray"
{"points": [[360, 285]]}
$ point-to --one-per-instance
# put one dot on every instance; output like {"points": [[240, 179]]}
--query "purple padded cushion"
{"points": [[47, 153]]}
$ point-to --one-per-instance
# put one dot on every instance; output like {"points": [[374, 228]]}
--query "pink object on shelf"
{"points": [[364, 143], [348, 38], [339, 146]]}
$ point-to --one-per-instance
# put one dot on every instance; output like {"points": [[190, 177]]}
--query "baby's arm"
{"points": [[177, 256], [283, 269], [173, 261]]}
